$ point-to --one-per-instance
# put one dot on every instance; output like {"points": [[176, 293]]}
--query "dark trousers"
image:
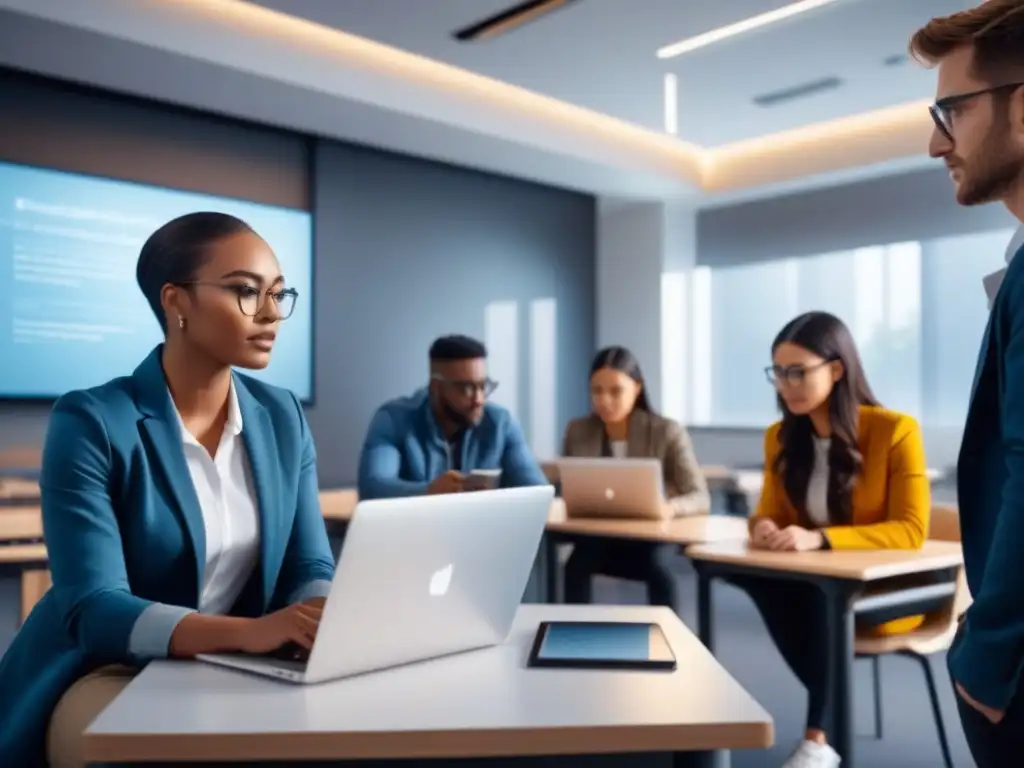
{"points": [[630, 560], [795, 615], [993, 746]]}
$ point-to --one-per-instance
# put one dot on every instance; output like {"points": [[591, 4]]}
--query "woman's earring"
{"points": [[181, 322]]}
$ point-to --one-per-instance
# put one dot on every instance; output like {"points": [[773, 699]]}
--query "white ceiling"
{"points": [[600, 54], [251, 61]]}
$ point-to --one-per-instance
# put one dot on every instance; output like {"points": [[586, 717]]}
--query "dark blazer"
{"points": [[125, 532], [988, 658], [649, 436]]}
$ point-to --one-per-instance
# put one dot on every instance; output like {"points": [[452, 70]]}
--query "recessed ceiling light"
{"points": [[671, 104], [747, 25]]}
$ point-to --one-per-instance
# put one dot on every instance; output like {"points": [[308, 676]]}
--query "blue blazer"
{"points": [[404, 449], [124, 532], [989, 654]]}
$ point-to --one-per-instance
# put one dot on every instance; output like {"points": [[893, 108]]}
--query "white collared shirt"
{"points": [[227, 498], [994, 280]]}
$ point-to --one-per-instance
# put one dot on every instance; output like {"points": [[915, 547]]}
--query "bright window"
{"points": [[917, 311]]}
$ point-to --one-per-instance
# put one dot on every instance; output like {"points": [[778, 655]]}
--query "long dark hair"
{"points": [[622, 360], [827, 337]]}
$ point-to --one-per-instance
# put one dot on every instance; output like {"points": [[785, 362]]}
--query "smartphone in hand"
{"points": [[483, 479]]}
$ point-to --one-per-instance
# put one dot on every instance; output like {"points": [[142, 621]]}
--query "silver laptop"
{"points": [[628, 488], [418, 578]]}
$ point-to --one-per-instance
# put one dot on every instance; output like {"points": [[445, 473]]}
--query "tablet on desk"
{"points": [[601, 645]]}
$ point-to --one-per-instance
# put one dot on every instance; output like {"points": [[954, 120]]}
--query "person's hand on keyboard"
{"points": [[291, 652], [296, 624]]}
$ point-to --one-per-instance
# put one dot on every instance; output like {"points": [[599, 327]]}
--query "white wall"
{"points": [[630, 248], [636, 244]]}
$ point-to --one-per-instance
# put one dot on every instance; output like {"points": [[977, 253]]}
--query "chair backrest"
{"points": [[945, 526], [945, 523]]}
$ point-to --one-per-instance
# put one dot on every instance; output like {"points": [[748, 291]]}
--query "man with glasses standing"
{"points": [[979, 134], [446, 437]]}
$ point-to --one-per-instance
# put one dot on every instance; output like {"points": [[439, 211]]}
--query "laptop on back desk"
{"points": [[606, 487]]}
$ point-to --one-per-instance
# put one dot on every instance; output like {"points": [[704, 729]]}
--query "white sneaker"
{"points": [[811, 754]]}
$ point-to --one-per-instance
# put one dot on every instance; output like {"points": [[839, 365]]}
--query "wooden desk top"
{"points": [[18, 488], [17, 523], [338, 504], [481, 703], [680, 530], [13, 554], [714, 474], [858, 565], [24, 522]]}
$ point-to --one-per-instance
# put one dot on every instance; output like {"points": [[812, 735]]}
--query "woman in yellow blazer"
{"points": [[841, 472]]}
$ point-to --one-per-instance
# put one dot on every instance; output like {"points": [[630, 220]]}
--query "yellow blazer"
{"points": [[891, 497]]}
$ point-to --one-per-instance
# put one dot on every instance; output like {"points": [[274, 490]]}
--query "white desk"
{"points": [[484, 703]]}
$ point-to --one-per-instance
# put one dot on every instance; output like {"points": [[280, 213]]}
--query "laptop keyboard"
{"points": [[290, 652], [291, 666], [289, 656]]}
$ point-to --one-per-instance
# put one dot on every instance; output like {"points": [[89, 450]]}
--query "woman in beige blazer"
{"points": [[623, 425]]}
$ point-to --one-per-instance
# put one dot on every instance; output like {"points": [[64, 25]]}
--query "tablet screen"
{"points": [[604, 642]]}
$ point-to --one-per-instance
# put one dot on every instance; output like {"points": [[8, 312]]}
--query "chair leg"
{"points": [[933, 694], [876, 676]]}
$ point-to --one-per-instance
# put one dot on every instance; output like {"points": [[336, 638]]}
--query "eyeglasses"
{"points": [[793, 375], [944, 110], [469, 389], [251, 300]]}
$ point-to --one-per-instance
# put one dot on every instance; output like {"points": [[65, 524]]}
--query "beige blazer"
{"points": [[649, 436]]}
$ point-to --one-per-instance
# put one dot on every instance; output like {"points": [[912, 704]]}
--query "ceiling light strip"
{"points": [[747, 25], [899, 132]]}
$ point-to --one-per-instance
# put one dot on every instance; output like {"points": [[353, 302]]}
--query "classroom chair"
{"points": [[932, 637]]}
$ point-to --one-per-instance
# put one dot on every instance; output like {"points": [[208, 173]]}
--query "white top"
{"points": [[995, 279], [227, 498], [620, 449], [817, 487], [448, 707]]}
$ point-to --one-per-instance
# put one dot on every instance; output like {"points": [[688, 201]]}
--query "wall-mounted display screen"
{"points": [[73, 315]]}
